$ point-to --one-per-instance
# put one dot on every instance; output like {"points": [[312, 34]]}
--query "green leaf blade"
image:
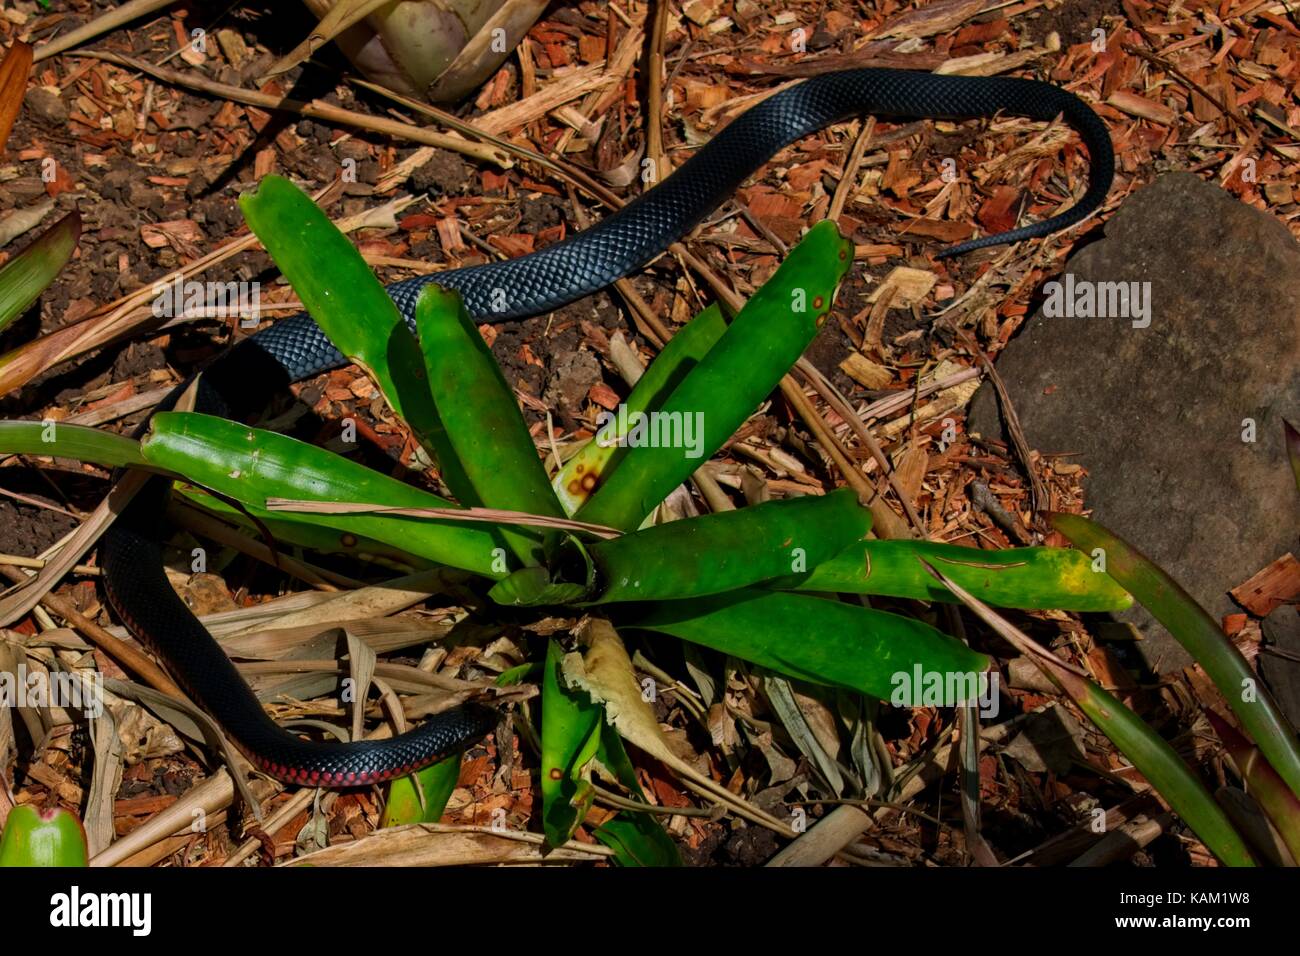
{"points": [[1153, 757], [24, 277], [1200, 634], [480, 416], [1273, 795], [1029, 578], [353, 310], [695, 557], [35, 838], [579, 477], [818, 640], [570, 738], [251, 465], [436, 782], [1161, 765], [636, 838], [730, 381], [69, 441]]}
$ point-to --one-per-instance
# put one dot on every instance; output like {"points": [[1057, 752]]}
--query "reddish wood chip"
{"points": [[1142, 107], [935, 229], [1274, 585], [517, 244], [604, 396]]}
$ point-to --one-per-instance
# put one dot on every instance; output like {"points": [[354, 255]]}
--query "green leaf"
{"points": [[1192, 627], [69, 441], [532, 587], [480, 416], [345, 298], [720, 552], [1032, 578], [517, 674], [1161, 765], [42, 838], [24, 277], [436, 782], [251, 465], [1147, 750], [637, 839], [352, 309], [730, 381], [581, 474], [822, 641], [570, 737]]}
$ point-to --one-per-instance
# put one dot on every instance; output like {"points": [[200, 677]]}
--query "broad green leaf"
{"points": [[1035, 578], [824, 642], [730, 381], [69, 441], [581, 474], [42, 838], [1200, 634], [720, 552], [251, 465], [24, 277], [480, 416], [436, 782], [352, 309], [570, 737]]}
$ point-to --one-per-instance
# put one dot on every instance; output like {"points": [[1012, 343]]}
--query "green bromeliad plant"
{"points": [[766, 584]]}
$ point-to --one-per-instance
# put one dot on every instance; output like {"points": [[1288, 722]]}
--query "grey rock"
{"points": [[1157, 414], [1279, 661]]}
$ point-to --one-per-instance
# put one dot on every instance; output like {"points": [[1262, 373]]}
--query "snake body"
{"points": [[240, 383]]}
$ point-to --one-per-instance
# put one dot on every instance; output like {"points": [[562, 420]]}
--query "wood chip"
{"points": [[1275, 585], [910, 286], [1142, 107], [866, 372]]}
